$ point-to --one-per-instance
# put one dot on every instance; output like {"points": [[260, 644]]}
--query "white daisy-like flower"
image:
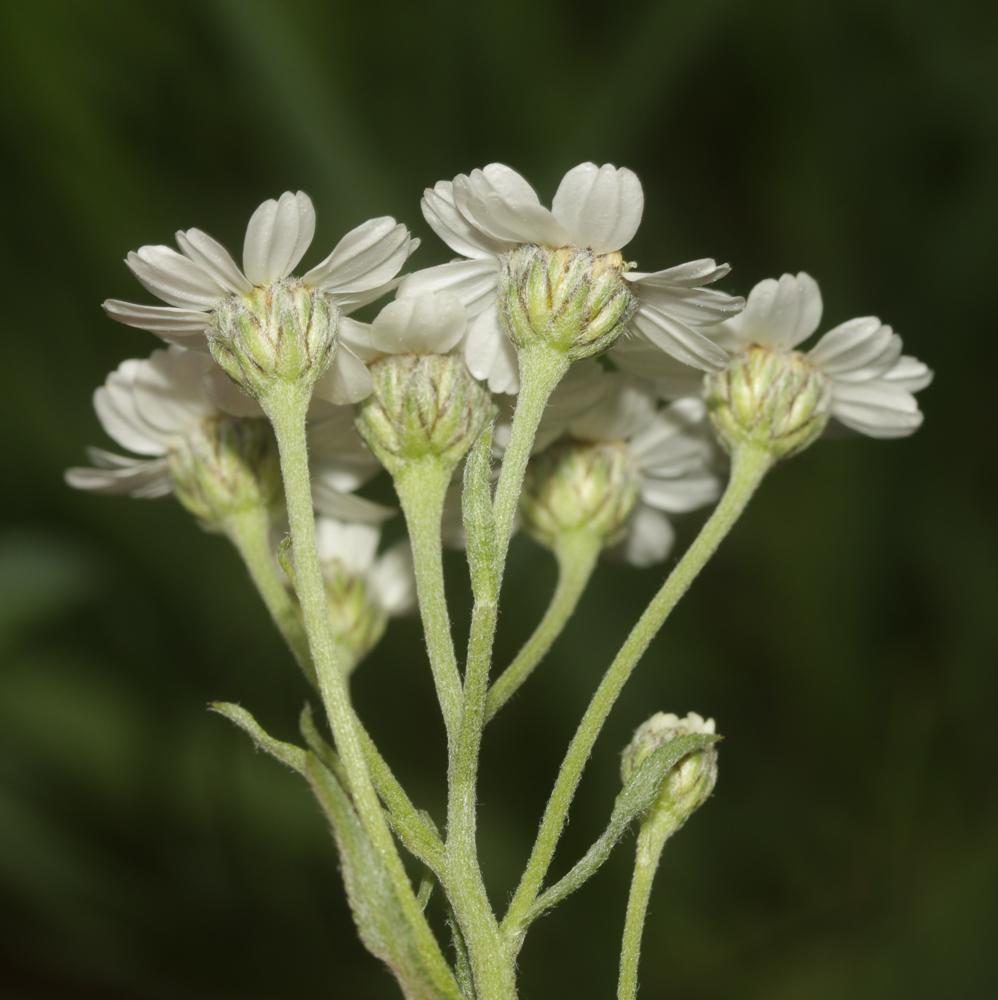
{"points": [[870, 383], [363, 589], [167, 410], [665, 454], [487, 214], [202, 276]]}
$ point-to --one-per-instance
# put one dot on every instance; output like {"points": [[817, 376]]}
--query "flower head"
{"points": [[363, 589], [560, 272], [618, 465], [425, 401], [773, 396], [259, 321], [192, 434]]}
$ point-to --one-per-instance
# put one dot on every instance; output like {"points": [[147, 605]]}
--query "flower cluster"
{"points": [[588, 402]]}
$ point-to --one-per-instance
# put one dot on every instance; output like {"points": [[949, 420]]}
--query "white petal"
{"points": [[337, 453], [649, 537], [779, 313], [704, 271], [114, 403], [626, 407], [490, 355], [682, 494], [472, 281], [169, 390], [671, 378], [347, 506], [354, 545], [278, 234], [128, 477], [347, 379], [500, 203], [212, 257], [859, 348], [394, 580], [163, 320], [910, 373], [356, 336], [876, 408], [669, 445], [677, 339], [175, 278], [599, 206], [453, 228], [419, 324], [228, 397], [369, 255], [692, 305], [349, 302]]}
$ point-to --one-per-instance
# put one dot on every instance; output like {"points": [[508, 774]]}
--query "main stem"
{"points": [[749, 466], [286, 406], [646, 858], [422, 488], [576, 555]]}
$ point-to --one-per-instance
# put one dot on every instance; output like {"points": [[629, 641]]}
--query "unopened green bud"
{"points": [[689, 783], [770, 399], [572, 300], [284, 332], [422, 405], [228, 465], [579, 486], [357, 619]]}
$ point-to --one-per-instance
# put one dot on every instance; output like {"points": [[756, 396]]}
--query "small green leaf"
{"points": [[287, 753]]}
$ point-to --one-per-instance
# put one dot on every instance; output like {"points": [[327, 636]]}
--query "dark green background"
{"points": [[845, 638]]}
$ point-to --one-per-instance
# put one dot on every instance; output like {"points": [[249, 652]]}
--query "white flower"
{"points": [[871, 382], [413, 323], [157, 407], [203, 275], [148, 407], [668, 452], [488, 213], [353, 548]]}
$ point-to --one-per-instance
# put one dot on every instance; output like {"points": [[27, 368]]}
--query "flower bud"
{"points": [[281, 332], [357, 619], [422, 405], [572, 300], [770, 399], [226, 466], [579, 486], [689, 783]]}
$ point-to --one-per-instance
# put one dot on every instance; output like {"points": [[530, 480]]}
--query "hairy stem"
{"points": [[576, 555], [541, 369], [646, 858], [749, 466], [286, 406], [421, 489]]}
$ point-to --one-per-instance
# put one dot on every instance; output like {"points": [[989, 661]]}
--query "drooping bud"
{"points": [[579, 486], [770, 399], [284, 332], [356, 617], [228, 465], [422, 405], [573, 300], [689, 783]]}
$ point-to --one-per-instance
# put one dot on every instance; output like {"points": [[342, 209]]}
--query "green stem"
{"points": [[576, 555], [249, 532], [749, 466], [541, 369], [422, 488], [286, 405], [646, 858]]}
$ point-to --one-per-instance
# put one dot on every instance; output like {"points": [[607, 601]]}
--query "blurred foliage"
{"points": [[845, 638]]}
